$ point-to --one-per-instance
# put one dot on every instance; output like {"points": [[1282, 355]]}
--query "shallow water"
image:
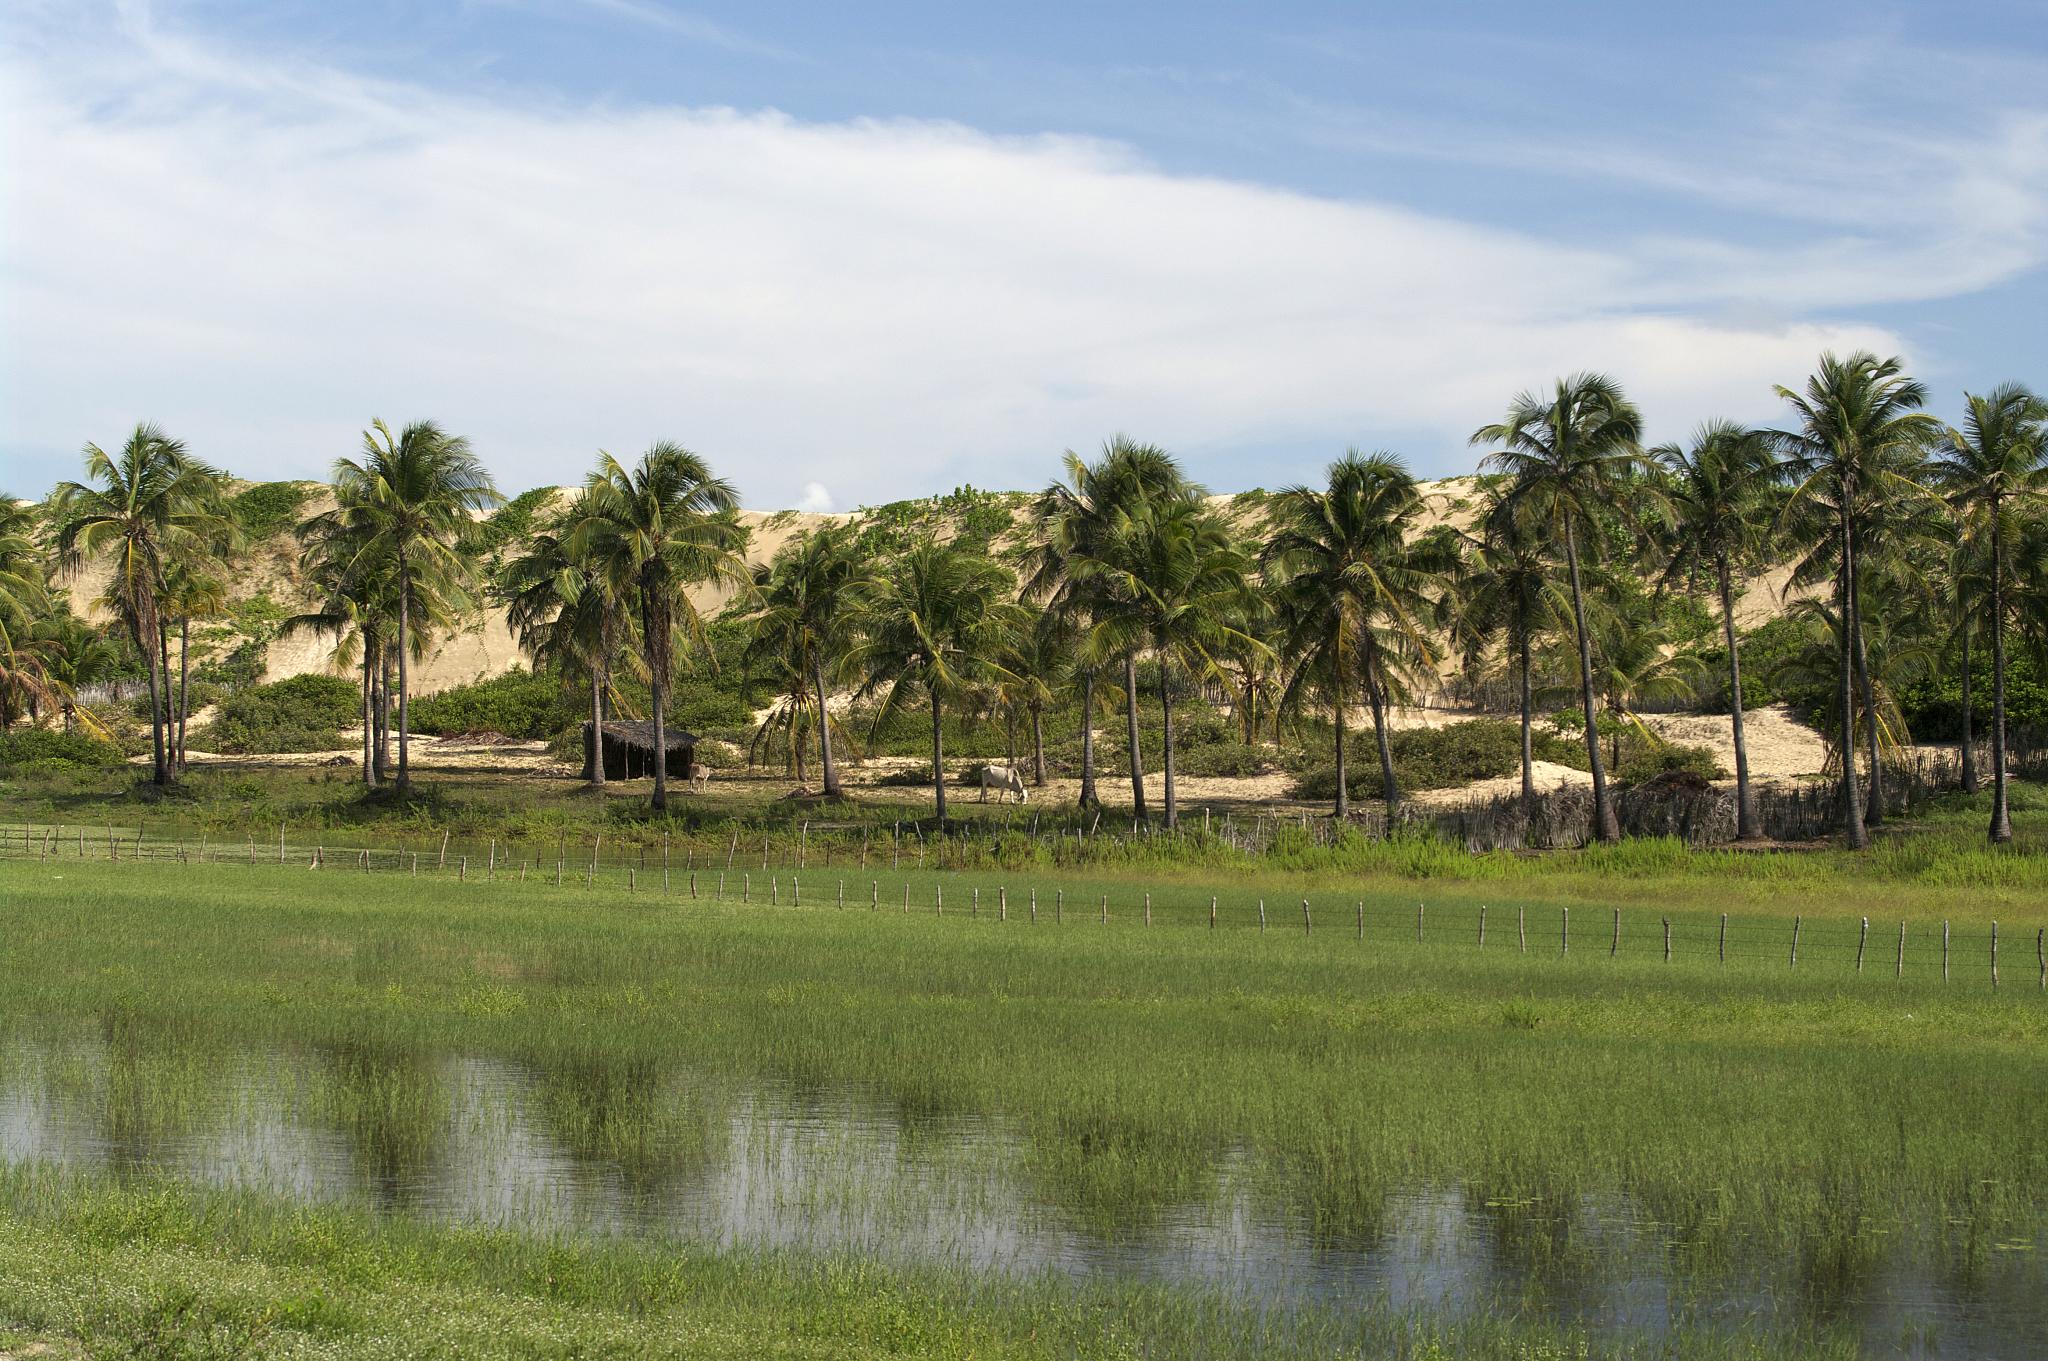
{"points": [[772, 1165]]}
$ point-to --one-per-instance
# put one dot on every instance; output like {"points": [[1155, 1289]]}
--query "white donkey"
{"points": [[1008, 779]]}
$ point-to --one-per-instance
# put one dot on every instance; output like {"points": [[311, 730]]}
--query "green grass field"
{"points": [[1812, 1118]]}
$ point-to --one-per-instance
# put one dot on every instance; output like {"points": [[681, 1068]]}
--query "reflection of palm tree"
{"points": [[1570, 458]]}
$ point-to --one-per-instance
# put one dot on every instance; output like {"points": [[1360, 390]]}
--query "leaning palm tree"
{"points": [[1507, 594], [666, 524], [1072, 519], [140, 508], [1353, 594], [1992, 471], [1858, 444], [1570, 457], [1720, 488], [933, 624], [1169, 576], [410, 499], [570, 613], [803, 620]]}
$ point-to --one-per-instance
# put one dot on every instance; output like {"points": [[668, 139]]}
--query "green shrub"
{"points": [[1435, 758], [39, 751], [267, 509], [305, 713], [517, 704], [1219, 759], [1643, 760]]}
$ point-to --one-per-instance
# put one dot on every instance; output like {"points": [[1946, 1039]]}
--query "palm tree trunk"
{"points": [[938, 761], [1378, 699], [159, 771], [1037, 746], [1343, 808], [2001, 815], [1857, 835], [1968, 747], [184, 674], [1010, 735], [369, 718], [383, 711], [657, 699], [593, 769], [1745, 803], [830, 771], [1606, 827], [404, 709], [1131, 722], [163, 644], [1528, 742], [1873, 807], [1166, 742], [1089, 798]]}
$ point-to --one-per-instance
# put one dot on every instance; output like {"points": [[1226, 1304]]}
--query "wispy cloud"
{"points": [[264, 254], [660, 18]]}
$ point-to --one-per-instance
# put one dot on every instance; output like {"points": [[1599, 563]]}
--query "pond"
{"points": [[675, 1155]]}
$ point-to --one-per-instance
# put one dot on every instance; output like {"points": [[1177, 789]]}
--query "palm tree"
{"points": [[194, 588], [1508, 592], [933, 623], [666, 524], [1353, 594], [1169, 575], [410, 499], [141, 508], [803, 619], [1072, 520], [1992, 470], [1720, 489], [1859, 441], [1569, 459], [569, 613], [26, 683]]}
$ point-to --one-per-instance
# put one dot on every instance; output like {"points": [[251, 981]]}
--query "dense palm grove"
{"points": [[1589, 572]]}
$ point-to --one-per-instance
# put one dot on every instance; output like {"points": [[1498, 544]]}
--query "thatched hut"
{"points": [[629, 749]]}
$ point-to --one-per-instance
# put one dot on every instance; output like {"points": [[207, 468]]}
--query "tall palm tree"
{"points": [[1992, 470], [140, 508], [1508, 592], [570, 613], [666, 524], [803, 618], [411, 498], [1569, 457], [1169, 576], [933, 623], [1353, 594], [195, 587], [1720, 489], [1073, 519], [1858, 443]]}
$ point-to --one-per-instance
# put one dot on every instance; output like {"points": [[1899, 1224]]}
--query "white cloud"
{"points": [[264, 255], [815, 498]]}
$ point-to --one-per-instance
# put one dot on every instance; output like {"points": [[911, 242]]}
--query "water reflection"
{"points": [[631, 1148]]}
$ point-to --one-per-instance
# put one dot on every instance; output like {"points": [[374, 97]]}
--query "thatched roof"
{"points": [[639, 733]]}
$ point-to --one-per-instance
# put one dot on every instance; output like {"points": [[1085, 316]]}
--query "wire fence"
{"points": [[803, 875]]}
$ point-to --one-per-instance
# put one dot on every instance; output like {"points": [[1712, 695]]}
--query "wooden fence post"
{"points": [[1212, 912], [1795, 942], [1944, 950], [1724, 937], [1899, 968], [1002, 902], [1522, 927], [1614, 946], [1059, 906], [1262, 914], [1418, 923], [1305, 922], [1862, 937], [1667, 940], [1148, 909], [1564, 931], [1104, 906], [1994, 954]]}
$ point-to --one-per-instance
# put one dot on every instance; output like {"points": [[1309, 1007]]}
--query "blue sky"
{"points": [[859, 252]]}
